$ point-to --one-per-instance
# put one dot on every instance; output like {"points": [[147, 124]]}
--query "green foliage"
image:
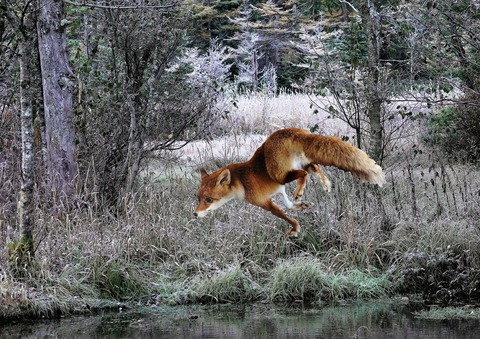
{"points": [[441, 126], [352, 46], [456, 131], [211, 21], [222, 5], [289, 72], [314, 8]]}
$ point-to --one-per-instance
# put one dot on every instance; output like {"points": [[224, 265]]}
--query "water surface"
{"points": [[360, 320]]}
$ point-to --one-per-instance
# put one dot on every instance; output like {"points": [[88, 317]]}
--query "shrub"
{"points": [[443, 277], [456, 130]]}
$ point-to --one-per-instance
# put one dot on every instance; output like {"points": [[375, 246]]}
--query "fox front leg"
{"points": [[270, 206]]}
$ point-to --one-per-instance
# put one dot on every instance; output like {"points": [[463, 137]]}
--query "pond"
{"points": [[360, 320]]}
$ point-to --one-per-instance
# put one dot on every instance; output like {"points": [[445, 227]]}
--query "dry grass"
{"points": [[352, 244]]}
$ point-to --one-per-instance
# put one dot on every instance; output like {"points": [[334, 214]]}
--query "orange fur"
{"points": [[287, 155]]}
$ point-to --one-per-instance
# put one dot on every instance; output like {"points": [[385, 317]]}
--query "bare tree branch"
{"points": [[119, 6], [349, 4]]}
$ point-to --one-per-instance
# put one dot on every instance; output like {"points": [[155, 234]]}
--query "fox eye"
{"points": [[209, 200]]}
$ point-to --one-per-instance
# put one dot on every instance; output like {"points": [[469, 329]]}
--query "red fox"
{"points": [[287, 155]]}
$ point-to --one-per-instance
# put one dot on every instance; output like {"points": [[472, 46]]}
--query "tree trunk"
{"points": [[371, 29], [58, 85], [24, 248]]}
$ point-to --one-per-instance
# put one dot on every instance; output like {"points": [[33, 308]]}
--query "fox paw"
{"points": [[327, 186], [292, 234], [301, 205]]}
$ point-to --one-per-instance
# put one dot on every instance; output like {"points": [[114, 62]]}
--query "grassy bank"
{"points": [[417, 235]]}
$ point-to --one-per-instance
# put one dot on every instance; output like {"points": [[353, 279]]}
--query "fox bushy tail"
{"points": [[333, 151]]}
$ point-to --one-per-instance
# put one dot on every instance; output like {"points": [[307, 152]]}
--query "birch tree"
{"points": [[25, 24], [26, 202]]}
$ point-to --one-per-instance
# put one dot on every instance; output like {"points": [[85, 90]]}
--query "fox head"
{"points": [[214, 191]]}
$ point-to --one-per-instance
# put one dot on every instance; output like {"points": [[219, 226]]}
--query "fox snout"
{"points": [[199, 214]]}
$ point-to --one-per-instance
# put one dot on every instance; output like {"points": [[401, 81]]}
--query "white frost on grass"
{"points": [[253, 120], [268, 113], [238, 147]]}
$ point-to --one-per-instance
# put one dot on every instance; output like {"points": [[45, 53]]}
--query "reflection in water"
{"points": [[362, 320]]}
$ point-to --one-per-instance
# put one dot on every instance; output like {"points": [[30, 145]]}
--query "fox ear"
{"points": [[203, 173], [224, 177]]}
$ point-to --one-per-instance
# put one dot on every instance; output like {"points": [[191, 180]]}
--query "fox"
{"points": [[287, 155]]}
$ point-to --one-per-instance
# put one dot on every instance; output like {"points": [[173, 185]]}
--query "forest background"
{"points": [[109, 108]]}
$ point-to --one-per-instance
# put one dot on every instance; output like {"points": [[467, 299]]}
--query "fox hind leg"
{"points": [[316, 170], [301, 177], [297, 205]]}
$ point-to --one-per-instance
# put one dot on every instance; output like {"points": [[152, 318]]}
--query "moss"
{"points": [[21, 256]]}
